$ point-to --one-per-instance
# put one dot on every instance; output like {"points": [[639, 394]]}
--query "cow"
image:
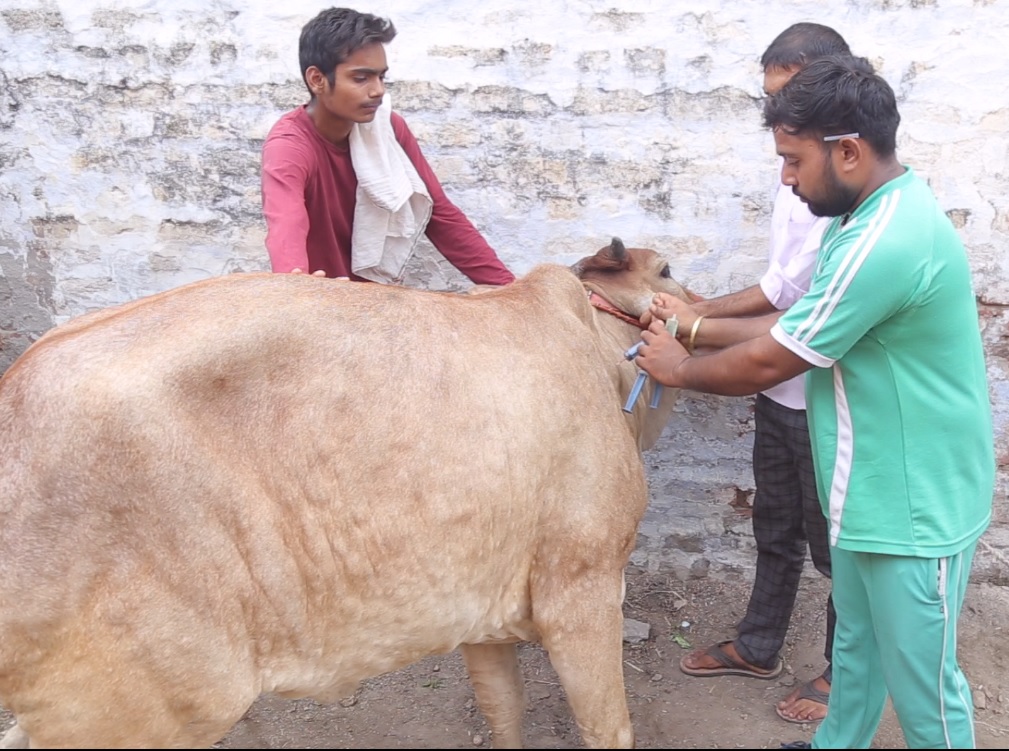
{"points": [[280, 483]]}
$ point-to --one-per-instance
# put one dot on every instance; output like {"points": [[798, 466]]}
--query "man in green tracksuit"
{"points": [[897, 402]]}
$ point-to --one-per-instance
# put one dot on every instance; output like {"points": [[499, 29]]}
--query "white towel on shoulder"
{"points": [[393, 204]]}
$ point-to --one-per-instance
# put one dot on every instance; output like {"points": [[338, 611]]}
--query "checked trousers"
{"points": [[787, 517]]}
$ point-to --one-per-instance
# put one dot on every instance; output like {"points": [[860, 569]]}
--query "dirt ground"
{"points": [[430, 704]]}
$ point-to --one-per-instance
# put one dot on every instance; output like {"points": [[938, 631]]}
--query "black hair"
{"points": [[335, 34], [836, 95], [800, 43]]}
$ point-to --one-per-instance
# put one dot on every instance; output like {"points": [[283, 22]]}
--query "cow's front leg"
{"points": [[582, 629], [500, 693]]}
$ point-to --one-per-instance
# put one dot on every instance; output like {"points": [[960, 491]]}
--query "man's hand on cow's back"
{"points": [[661, 354]]}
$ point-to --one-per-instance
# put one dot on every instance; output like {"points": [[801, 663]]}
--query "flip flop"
{"points": [[729, 666], [810, 692]]}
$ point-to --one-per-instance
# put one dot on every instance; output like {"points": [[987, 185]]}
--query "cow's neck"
{"points": [[600, 302], [623, 330], [620, 328]]}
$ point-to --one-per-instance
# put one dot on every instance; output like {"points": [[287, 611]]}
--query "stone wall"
{"points": [[130, 133]]}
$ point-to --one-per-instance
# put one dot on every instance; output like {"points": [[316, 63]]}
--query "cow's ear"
{"points": [[613, 257]]}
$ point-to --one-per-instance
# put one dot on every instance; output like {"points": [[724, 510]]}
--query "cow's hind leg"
{"points": [[497, 682], [582, 630]]}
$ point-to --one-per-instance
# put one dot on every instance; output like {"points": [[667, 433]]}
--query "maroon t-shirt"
{"points": [[309, 192]]}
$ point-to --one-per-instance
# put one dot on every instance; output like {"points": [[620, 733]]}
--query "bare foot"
{"points": [[807, 703]]}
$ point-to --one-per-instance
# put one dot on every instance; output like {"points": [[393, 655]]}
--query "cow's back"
{"points": [[296, 483]]}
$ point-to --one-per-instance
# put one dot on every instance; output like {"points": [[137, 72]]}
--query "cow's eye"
{"points": [[665, 273]]}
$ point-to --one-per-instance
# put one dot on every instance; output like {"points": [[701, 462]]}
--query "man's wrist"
{"points": [[692, 339]]}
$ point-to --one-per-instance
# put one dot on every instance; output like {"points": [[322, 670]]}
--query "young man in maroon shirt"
{"points": [[309, 182]]}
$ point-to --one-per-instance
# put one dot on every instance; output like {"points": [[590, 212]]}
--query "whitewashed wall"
{"points": [[129, 154]]}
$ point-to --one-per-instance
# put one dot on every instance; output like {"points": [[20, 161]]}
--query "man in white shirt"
{"points": [[786, 509]]}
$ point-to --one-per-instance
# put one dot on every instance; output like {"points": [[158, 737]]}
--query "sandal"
{"points": [[730, 666], [809, 692]]}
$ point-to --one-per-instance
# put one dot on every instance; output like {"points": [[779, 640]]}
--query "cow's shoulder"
{"points": [[553, 288]]}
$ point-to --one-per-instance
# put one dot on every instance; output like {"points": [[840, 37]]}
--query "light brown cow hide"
{"points": [[281, 483]]}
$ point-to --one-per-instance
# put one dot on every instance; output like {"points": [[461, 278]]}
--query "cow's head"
{"points": [[628, 278]]}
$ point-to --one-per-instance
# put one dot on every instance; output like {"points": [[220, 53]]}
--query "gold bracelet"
{"points": [[693, 333]]}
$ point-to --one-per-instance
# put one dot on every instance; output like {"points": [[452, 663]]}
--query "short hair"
{"points": [[801, 43], [335, 34], [835, 95]]}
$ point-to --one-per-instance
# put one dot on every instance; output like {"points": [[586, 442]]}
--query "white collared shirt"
{"points": [[795, 241]]}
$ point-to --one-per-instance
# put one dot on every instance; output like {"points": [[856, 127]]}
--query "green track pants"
{"points": [[896, 635]]}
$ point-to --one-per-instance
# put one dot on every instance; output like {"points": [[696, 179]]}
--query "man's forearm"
{"points": [[729, 372], [716, 333], [740, 370], [746, 302]]}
